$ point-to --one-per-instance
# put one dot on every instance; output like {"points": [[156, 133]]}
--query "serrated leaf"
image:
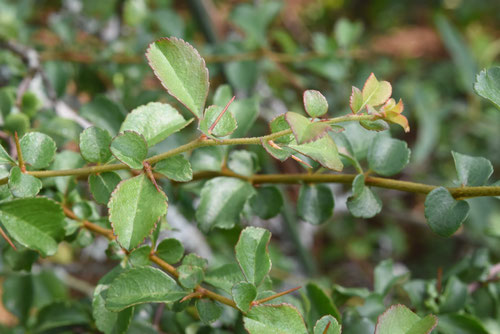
{"points": [[134, 209], [305, 131], [142, 285], [222, 200], [444, 214], [267, 202], [38, 149], [330, 322], [321, 304], [244, 294], [398, 319], [364, 203], [208, 310], [278, 124], [278, 153], [102, 185], [272, 319], [94, 144], [375, 92], [388, 156], [130, 148], [243, 162], [224, 127], [356, 100], [252, 254], [170, 250], [176, 168], [154, 121], [315, 204], [190, 276], [472, 171], [23, 185], [36, 223], [181, 71], [5, 158], [487, 85], [315, 103], [323, 151]]}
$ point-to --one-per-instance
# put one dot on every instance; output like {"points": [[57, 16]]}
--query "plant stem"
{"points": [[19, 153]]}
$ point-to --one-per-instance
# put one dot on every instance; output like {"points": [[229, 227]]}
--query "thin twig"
{"points": [[264, 300], [19, 153]]}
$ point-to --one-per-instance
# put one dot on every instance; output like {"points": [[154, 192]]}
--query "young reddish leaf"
{"points": [[315, 103], [392, 113], [376, 92], [181, 71], [305, 131]]}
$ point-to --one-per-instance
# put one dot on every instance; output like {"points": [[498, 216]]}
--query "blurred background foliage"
{"points": [[92, 69]]}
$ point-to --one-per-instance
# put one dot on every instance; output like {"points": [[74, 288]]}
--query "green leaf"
{"points": [[267, 202], [315, 204], [170, 250], [66, 160], [244, 294], [104, 113], [62, 314], [225, 276], [321, 304], [252, 254], [222, 95], [17, 295], [454, 296], [23, 185], [363, 203], [384, 277], [278, 124], [181, 71], [281, 153], [472, 171], [356, 100], [245, 111], [36, 223], [208, 158], [102, 185], [154, 121], [378, 125], [388, 156], [18, 259], [94, 144], [208, 310], [130, 148], [304, 130], [190, 275], [18, 122], [323, 151], [444, 214], [105, 320], [243, 162], [38, 149], [398, 319], [315, 103], [331, 322], [272, 319], [134, 209], [375, 92], [225, 126], [5, 158], [487, 85], [142, 285], [460, 323], [222, 200], [176, 168]]}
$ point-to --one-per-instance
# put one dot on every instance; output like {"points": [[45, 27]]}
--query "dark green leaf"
{"points": [[94, 144], [62, 314], [104, 113], [378, 125], [38, 149], [130, 148], [278, 124], [18, 259], [208, 310], [387, 156], [454, 296], [252, 254], [444, 214], [472, 171], [170, 250], [315, 204], [487, 85], [461, 324], [102, 185], [245, 111], [23, 185], [176, 168], [5, 158], [363, 203], [267, 202], [17, 295], [321, 304]]}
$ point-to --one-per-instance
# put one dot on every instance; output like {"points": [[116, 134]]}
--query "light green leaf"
{"points": [[222, 200], [444, 214], [315, 103], [356, 100], [315, 204], [225, 276], [281, 153], [305, 131], [190, 276], [222, 95], [278, 124], [104, 113], [323, 151], [141, 285], [102, 185], [252, 254], [36, 223], [243, 162], [472, 171], [245, 111], [130, 148], [181, 71], [225, 126], [378, 125], [398, 319], [208, 158], [23, 185], [331, 322], [388, 156], [38, 149], [244, 294], [375, 92], [170, 250], [267, 202], [176, 168], [385, 278], [134, 209], [272, 319], [5, 158], [94, 144], [154, 121], [208, 310], [487, 85], [363, 203], [454, 296], [321, 304]]}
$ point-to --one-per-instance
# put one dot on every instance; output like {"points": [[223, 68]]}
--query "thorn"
{"points": [[273, 144], [196, 294], [220, 116], [149, 173], [6, 237], [301, 161], [263, 300]]}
